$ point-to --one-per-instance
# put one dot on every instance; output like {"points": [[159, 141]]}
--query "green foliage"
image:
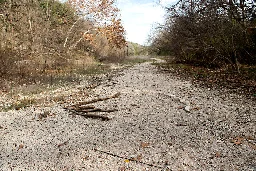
{"points": [[135, 49], [58, 13], [40, 38]]}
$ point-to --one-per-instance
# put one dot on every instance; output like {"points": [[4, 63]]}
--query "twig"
{"points": [[94, 116], [61, 144], [83, 110], [130, 159], [97, 100], [95, 110], [86, 107]]}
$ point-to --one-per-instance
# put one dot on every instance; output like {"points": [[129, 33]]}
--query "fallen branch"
{"points": [[94, 116], [75, 107], [87, 109], [61, 144], [97, 100], [95, 110], [83, 109], [132, 159]]}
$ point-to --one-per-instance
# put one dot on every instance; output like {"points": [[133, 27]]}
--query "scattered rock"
{"points": [[184, 102], [187, 108], [188, 141]]}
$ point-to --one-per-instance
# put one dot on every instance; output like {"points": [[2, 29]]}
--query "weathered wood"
{"points": [[94, 116], [83, 109], [95, 110], [86, 107], [97, 100]]}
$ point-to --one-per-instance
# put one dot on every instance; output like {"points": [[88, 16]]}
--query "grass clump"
{"points": [[20, 104]]}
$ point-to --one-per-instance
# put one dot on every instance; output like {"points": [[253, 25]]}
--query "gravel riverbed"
{"points": [[162, 123]]}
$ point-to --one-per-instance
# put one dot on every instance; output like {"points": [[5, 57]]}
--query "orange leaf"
{"points": [[196, 108], [238, 140], [217, 154], [250, 138], [20, 146], [122, 168], [139, 157], [144, 145], [252, 146]]}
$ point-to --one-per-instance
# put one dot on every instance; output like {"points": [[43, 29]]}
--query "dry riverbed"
{"points": [[156, 121]]}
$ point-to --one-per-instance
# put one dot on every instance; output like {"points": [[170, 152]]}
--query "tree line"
{"points": [[52, 33], [208, 32]]}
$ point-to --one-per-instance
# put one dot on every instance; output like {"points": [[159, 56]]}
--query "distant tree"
{"points": [[47, 30], [209, 32], [104, 16]]}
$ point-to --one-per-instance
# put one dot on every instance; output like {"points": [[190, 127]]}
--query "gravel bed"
{"points": [[162, 123]]}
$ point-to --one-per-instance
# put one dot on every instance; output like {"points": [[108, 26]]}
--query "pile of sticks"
{"points": [[87, 110]]}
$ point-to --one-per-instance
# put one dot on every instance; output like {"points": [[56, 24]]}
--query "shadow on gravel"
{"points": [[243, 83]]}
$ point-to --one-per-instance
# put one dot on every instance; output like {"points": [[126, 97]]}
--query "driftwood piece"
{"points": [[85, 113], [94, 116], [97, 100], [87, 109], [83, 109], [95, 110]]}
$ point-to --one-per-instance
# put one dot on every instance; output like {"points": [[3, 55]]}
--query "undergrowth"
{"points": [[135, 60], [19, 104]]}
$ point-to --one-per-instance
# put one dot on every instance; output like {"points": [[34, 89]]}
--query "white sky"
{"points": [[138, 16]]}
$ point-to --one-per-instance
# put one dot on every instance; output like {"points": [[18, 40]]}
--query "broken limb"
{"points": [[94, 116]]}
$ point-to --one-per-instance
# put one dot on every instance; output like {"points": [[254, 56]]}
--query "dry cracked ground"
{"points": [[161, 123]]}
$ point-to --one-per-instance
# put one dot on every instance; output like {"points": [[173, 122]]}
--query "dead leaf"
{"points": [[61, 144], [250, 138], [126, 160], [217, 154], [20, 146], [132, 159], [196, 108], [144, 145], [85, 158], [139, 157], [238, 140], [123, 168], [253, 146]]}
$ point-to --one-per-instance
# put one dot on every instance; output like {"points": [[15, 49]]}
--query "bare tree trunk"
{"points": [[79, 40], [69, 31]]}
